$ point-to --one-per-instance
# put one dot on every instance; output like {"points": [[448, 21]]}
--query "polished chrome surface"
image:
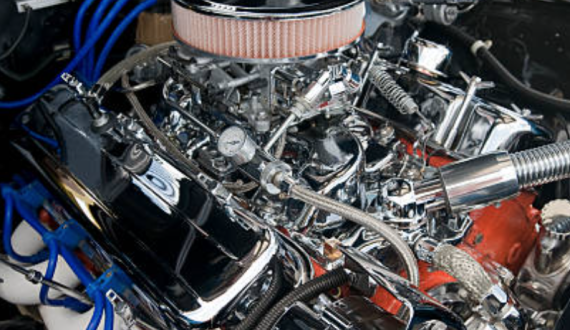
{"points": [[544, 276], [458, 115], [231, 168], [479, 181], [411, 298], [255, 264], [426, 56], [542, 165], [261, 9], [234, 143], [485, 128]]}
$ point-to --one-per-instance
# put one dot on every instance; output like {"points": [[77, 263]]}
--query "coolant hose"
{"points": [[265, 302], [542, 165], [305, 292], [465, 269], [540, 100], [364, 219]]}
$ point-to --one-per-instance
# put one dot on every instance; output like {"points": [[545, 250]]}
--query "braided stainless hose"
{"points": [[542, 165], [391, 91], [366, 220]]}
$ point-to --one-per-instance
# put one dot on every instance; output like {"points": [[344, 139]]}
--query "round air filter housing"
{"points": [[268, 29]]}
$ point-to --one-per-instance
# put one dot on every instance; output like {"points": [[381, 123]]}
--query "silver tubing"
{"points": [[542, 165], [460, 115], [364, 219], [479, 181], [483, 180], [280, 131], [36, 277]]}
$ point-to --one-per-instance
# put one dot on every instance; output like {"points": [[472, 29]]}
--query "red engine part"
{"points": [[504, 234]]}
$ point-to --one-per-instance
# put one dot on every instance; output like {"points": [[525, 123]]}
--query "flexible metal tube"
{"points": [[483, 180], [304, 293], [364, 219], [542, 165]]}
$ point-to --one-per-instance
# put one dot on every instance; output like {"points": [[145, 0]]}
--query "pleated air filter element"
{"points": [[268, 29]]}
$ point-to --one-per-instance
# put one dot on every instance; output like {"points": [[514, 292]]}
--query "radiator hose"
{"points": [[304, 293]]}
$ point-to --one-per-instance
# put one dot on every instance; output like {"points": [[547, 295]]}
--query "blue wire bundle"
{"points": [[13, 200], [94, 33]]}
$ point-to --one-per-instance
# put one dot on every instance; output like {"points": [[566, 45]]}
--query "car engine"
{"points": [[341, 164]]}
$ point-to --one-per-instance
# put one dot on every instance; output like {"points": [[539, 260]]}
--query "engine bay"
{"points": [[339, 165]]}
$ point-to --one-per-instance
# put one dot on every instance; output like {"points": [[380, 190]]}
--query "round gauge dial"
{"points": [[231, 141], [234, 143]]}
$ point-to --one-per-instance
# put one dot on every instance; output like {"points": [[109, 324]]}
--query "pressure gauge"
{"points": [[234, 143]]}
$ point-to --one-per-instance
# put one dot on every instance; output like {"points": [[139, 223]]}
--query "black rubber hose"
{"points": [[304, 293], [265, 302], [540, 100]]}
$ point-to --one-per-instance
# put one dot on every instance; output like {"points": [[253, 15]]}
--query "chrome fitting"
{"points": [[277, 177], [479, 182], [501, 310], [470, 183]]}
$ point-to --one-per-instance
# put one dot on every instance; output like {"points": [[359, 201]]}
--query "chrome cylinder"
{"points": [[478, 182], [483, 180]]}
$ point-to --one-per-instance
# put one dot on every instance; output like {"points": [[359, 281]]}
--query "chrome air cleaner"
{"points": [[268, 29]]}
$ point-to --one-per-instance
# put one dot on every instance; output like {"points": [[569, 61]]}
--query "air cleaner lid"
{"points": [[264, 8]]}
